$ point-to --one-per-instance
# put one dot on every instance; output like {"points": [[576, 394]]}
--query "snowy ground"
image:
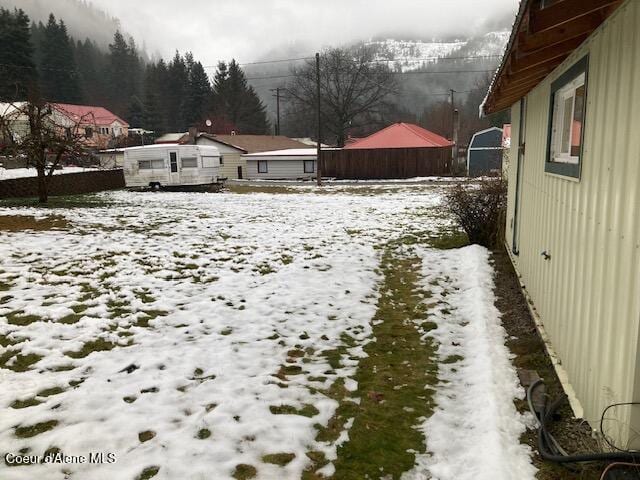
{"points": [[185, 332], [9, 173]]}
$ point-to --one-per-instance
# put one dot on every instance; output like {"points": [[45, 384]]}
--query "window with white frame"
{"points": [[189, 162], [309, 166], [209, 161], [567, 114], [262, 166], [156, 164]]}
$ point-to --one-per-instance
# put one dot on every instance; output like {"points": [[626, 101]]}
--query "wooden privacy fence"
{"points": [[376, 164], [64, 184]]}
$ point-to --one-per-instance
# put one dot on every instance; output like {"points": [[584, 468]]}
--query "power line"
{"points": [[411, 72]]}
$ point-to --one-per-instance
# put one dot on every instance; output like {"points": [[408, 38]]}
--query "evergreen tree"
{"points": [[91, 65], [136, 113], [177, 84], [198, 93], [17, 70], [155, 81], [59, 77], [123, 72], [236, 101]]}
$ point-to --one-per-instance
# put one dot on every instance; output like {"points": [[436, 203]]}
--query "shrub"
{"points": [[479, 208]]}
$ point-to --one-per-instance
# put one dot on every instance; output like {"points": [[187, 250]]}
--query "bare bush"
{"points": [[479, 208]]}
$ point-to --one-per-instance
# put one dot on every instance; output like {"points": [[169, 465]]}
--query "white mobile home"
{"points": [[290, 164], [171, 166], [570, 77]]}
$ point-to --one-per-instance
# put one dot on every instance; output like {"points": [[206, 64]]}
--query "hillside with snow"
{"points": [[409, 55]]}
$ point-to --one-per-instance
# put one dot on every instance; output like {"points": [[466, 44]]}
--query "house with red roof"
{"points": [[100, 127], [401, 135], [401, 150]]}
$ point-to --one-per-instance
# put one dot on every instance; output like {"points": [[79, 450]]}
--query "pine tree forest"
{"points": [[163, 96]]}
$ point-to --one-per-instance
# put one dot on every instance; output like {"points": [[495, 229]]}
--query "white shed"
{"points": [[290, 164]]}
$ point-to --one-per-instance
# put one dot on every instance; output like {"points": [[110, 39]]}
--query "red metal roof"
{"points": [[89, 114], [401, 135]]}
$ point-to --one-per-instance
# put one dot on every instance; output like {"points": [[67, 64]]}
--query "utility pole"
{"points": [[456, 128], [277, 95], [454, 131], [319, 141]]}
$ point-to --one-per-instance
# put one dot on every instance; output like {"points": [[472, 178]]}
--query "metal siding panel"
{"points": [[588, 294]]}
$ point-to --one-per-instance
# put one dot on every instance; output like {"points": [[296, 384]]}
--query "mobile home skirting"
{"points": [[587, 293]]}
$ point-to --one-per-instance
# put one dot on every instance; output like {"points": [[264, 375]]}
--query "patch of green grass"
{"points": [[4, 286], [452, 359], [17, 318], [148, 473], [48, 392], [29, 402], [129, 399], [65, 201], [244, 472], [21, 363], [383, 439], [307, 410], [98, 345], [35, 429], [146, 435], [286, 259], [264, 268], [117, 308], [203, 433], [71, 318], [447, 240], [281, 459]]}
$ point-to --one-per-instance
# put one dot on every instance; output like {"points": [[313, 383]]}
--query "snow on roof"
{"points": [[88, 113], [290, 152], [401, 135]]}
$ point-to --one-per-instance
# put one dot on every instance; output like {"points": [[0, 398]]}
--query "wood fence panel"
{"points": [[377, 164]]}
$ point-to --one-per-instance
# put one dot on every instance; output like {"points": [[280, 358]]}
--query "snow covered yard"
{"points": [[242, 336]]}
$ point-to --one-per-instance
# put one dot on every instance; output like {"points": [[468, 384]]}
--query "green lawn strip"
{"points": [[394, 382]]}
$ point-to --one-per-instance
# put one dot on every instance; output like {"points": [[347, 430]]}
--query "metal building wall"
{"points": [[588, 294]]}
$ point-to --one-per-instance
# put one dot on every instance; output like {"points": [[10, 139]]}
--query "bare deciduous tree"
{"points": [[36, 131], [354, 89]]}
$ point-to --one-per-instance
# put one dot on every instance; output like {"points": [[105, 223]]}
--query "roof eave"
{"points": [[540, 41]]}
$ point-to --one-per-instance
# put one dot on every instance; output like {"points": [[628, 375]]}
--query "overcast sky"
{"points": [[249, 30]]}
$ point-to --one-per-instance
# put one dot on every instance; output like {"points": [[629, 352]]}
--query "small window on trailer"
{"points": [[209, 161], [221, 159], [189, 162], [309, 166], [262, 166], [566, 121], [155, 164]]}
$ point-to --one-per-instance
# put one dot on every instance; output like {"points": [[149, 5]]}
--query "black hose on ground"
{"points": [[548, 454]]}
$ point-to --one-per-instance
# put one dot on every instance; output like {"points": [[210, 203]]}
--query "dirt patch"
{"points": [[18, 223], [526, 344]]}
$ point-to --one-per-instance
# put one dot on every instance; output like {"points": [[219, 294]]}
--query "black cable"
{"points": [[610, 443], [547, 454]]}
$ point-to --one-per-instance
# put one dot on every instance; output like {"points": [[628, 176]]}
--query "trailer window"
{"points": [[209, 162], [173, 161], [262, 166], [189, 162], [156, 164]]}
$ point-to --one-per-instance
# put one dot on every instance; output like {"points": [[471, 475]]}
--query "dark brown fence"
{"points": [[64, 184], [386, 163]]}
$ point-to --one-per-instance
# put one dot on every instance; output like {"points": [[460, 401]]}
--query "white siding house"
{"points": [[290, 164]]}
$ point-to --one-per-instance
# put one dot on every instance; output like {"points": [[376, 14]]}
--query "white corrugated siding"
{"points": [[279, 169], [588, 294]]}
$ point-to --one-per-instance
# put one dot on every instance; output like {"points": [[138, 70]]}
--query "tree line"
{"points": [[44, 60]]}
